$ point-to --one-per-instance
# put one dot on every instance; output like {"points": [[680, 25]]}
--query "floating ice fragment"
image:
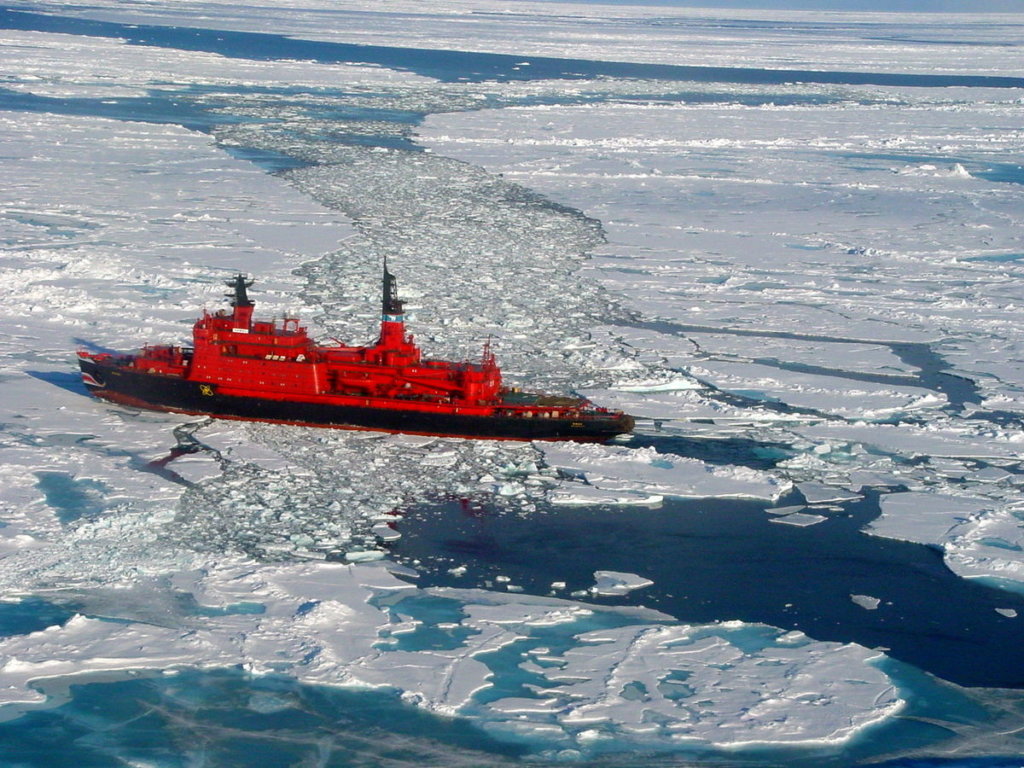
{"points": [[925, 518], [385, 532], [866, 602], [989, 475], [801, 519], [508, 489], [364, 556], [819, 493], [786, 510], [640, 473], [1009, 613], [674, 385], [587, 495], [614, 583]]}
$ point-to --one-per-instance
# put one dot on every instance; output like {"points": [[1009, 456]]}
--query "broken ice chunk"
{"points": [[819, 493], [364, 556], [801, 519], [614, 583], [781, 511], [385, 532], [866, 602]]}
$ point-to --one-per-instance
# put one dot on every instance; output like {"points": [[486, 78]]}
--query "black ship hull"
{"points": [[165, 393]]}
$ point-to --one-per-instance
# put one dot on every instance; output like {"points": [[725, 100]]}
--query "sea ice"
{"points": [[614, 583], [617, 470], [799, 519], [866, 602], [783, 224], [720, 37], [979, 537], [819, 493], [927, 518], [324, 622], [823, 282]]}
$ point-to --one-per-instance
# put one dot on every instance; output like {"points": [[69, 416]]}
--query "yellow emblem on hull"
{"points": [[205, 389]]}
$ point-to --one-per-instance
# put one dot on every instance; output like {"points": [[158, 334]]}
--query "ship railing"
{"points": [[120, 359]]}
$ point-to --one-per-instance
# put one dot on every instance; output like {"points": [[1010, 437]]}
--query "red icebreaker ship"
{"points": [[240, 368]]}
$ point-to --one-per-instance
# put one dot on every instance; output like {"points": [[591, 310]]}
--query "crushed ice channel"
{"points": [[122, 516]]}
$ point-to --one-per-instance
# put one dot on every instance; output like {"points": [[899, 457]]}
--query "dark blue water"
{"points": [[1007, 173], [450, 66], [719, 559], [1008, 761]]}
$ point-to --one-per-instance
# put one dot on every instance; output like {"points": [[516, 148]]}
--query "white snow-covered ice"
{"points": [[638, 472]]}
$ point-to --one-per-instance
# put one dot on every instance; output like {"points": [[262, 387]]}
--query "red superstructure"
{"points": [[252, 369]]}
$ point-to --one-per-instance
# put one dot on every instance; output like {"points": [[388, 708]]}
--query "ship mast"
{"points": [[240, 301], [392, 318], [391, 306]]}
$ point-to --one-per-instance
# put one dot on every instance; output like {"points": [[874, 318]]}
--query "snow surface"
{"points": [[61, 65]]}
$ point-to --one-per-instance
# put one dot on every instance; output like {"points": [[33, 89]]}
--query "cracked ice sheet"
{"points": [[330, 624], [953, 440], [867, 358], [870, 218], [73, 66], [824, 394], [634, 474], [99, 250], [979, 537], [877, 42]]}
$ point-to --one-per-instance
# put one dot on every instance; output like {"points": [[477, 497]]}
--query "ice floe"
{"points": [[979, 537], [635, 473], [617, 583], [601, 672]]}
